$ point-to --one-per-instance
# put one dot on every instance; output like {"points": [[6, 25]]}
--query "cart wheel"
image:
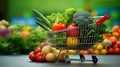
{"points": [[68, 61], [82, 57], [94, 59]]}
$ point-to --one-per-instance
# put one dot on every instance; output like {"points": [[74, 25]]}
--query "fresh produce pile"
{"points": [[110, 44], [58, 21], [19, 39], [70, 18], [45, 53], [22, 39]]}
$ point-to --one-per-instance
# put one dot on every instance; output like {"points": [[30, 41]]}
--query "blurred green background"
{"points": [[10, 9]]}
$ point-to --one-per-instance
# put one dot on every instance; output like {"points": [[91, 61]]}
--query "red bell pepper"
{"points": [[58, 26]]}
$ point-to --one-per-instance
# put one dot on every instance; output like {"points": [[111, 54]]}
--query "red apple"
{"points": [[38, 49]]}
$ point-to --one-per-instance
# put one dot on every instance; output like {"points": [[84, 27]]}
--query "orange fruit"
{"points": [[107, 35], [115, 28], [119, 31], [116, 34], [113, 38]]}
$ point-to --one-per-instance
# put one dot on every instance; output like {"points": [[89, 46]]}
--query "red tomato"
{"points": [[110, 50], [42, 45], [40, 57], [118, 43], [32, 56], [117, 51], [115, 46], [74, 32], [114, 42], [60, 26], [38, 49]]}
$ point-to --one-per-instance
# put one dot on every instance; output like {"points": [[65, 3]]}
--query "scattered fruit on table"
{"points": [[44, 52], [110, 43], [99, 49]]}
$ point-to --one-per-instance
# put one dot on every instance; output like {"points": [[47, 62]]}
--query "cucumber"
{"points": [[43, 26], [40, 15], [40, 20]]}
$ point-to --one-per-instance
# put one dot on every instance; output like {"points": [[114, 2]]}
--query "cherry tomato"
{"points": [[38, 49], [42, 45], [40, 57], [32, 56]]}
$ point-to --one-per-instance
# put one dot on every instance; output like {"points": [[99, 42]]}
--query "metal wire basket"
{"points": [[80, 37]]}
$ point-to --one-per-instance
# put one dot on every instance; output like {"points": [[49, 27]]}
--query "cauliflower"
{"points": [[82, 18]]}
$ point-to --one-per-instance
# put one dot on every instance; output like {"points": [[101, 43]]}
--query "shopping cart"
{"points": [[78, 38]]}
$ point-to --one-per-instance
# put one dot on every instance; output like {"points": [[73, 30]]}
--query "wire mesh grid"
{"points": [[81, 37]]}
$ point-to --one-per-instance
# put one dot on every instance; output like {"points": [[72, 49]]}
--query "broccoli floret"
{"points": [[82, 18]]}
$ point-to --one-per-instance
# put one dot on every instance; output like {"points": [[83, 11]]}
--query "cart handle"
{"points": [[104, 18]]}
